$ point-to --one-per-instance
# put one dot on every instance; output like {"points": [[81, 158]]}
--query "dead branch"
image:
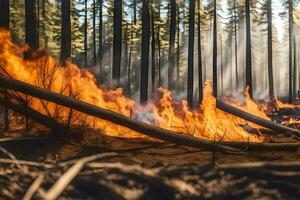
{"points": [[291, 165], [146, 129], [255, 119], [34, 187], [60, 185], [33, 114]]}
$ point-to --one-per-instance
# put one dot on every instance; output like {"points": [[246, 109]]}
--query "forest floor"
{"points": [[102, 167]]}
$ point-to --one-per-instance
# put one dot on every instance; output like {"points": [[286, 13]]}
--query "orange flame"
{"points": [[205, 122]]}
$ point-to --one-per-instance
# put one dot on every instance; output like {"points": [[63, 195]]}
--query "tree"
{"points": [[94, 33], [145, 52], [77, 45], [153, 52], [235, 44], [100, 51], [117, 41], [215, 52], [4, 13], [31, 24], [200, 81], [248, 49], [270, 51], [85, 33], [172, 44], [291, 32], [4, 22], [65, 47], [190, 87]]}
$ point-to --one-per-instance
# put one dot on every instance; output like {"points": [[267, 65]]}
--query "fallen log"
{"points": [[33, 114], [141, 127], [255, 119]]}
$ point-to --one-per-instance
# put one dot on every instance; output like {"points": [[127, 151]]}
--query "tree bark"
{"points": [[4, 13], [117, 41], [100, 53], [291, 35], [65, 47], [200, 81], [153, 52], [295, 70], [248, 49], [145, 52], [190, 87], [215, 52], [270, 53], [235, 45], [94, 33], [172, 45], [178, 50], [149, 130], [31, 24], [85, 33]]}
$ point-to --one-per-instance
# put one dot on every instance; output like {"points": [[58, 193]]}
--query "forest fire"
{"points": [[149, 99], [207, 122]]}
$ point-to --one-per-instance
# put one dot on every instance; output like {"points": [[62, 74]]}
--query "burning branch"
{"points": [[146, 129]]}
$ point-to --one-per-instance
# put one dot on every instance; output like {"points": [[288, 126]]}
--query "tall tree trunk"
{"points": [[190, 87], [215, 52], [31, 24], [291, 35], [4, 22], [85, 33], [65, 47], [145, 52], [295, 70], [159, 56], [172, 45], [134, 11], [270, 53], [117, 41], [200, 81], [129, 65], [248, 49], [4, 13], [153, 62], [45, 38], [159, 50], [178, 48], [100, 51], [235, 46], [94, 33]]}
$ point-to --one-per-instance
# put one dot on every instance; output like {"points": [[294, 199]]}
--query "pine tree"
{"points": [[66, 37], [4, 13], [215, 52], [145, 52], [248, 49], [172, 44], [190, 87], [117, 41], [31, 24]]}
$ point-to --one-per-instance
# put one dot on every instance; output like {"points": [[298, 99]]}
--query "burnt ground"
{"points": [[143, 169]]}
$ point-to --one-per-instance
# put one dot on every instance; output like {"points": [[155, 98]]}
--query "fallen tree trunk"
{"points": [[255, 119], [33, 114], [143, 128]]}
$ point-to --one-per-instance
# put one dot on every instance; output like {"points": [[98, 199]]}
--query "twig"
{"points": [[24, 162], [60, 185], [34, 187]]}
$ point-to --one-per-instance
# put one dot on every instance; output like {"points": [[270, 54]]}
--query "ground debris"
{"points": [[99, 178]]}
